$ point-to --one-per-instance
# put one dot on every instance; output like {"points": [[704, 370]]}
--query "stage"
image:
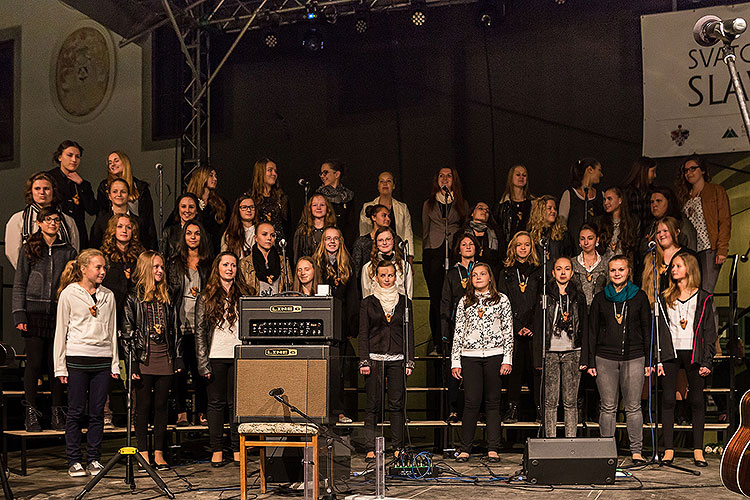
{"points": [[47, 479]]}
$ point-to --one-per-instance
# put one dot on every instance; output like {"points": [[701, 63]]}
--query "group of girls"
{"points": [[599, 302], [178, 309]]}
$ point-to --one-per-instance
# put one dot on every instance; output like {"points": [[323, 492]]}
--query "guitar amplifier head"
{"points": [[303, 372], [281, 319]]}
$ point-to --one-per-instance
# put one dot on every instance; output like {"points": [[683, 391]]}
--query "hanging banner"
{"points": [[689, 103]]}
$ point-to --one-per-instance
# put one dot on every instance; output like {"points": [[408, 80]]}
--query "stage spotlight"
{"points": [[311, 11], [559, 2], [490, 13], [313, 39], [419, 13], [271, 39], [361, 19]]}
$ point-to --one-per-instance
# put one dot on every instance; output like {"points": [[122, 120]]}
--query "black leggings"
{"points": [[199, 383], [696, 383], [433, 267], [220, 398], [160, 385], [523, 371], [39, 350], [481, 383]]}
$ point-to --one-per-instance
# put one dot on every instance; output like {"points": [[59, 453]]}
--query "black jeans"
{"points": [[393, 371], [696, 383], [523, 372], [181, 379], [220, 391], [38, 358], [481, 379], [85, 386], [433, 267], [156, 386]]}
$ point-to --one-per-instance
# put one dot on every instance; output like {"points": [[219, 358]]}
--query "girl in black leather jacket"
{"points": [[150, 324]]}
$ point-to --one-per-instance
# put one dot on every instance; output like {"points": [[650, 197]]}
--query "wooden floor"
{"points": [[48, 479]]}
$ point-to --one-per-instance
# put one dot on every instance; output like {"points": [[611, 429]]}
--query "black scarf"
{"points": [[29, 217], [266, 272]]}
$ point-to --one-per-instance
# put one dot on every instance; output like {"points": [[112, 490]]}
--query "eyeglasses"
{"points": [[692, 169], [52, 220], [323, 173], [247, 208], [332, 238]]}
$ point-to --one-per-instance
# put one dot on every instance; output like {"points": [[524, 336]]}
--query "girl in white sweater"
{"points": [[85, 352]]}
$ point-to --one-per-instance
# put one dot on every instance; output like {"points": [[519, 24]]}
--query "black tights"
{"points": [[696, 383], [433, 267], [160, 385], [39, 350]]}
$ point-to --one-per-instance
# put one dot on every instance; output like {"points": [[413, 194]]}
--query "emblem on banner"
{"points": [[729, 134], [680, 135]]}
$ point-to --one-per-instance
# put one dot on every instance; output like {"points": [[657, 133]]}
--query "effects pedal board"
{"points": [[415, 472]]}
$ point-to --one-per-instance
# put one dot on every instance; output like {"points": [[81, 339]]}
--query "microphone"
{"points": [[282, 243], [158, 166], [709, 30], [445, 189], [403, 244], [276, 392], [303, 182], [651, 246]]}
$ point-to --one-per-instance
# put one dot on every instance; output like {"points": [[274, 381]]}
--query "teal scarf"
{"points": [[628, 292]]}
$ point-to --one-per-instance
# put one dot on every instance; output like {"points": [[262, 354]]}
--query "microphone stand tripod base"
{"points": [[371, 497]]}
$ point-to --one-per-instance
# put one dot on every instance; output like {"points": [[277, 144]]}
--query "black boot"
{"points": [[511, 416], [32, 418], [58, 418]]}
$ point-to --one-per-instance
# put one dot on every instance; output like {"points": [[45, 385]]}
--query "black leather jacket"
{"points": [[177, 282], [135, 320]]}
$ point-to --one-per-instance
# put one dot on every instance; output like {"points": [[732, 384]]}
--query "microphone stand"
{"points": [[542, 383], [160, 170], [405, 333], [325, 431], [727, 52], [128, 452], [585, 204], [446, 268], [285, 276]]}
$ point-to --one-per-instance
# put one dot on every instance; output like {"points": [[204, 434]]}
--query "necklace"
{"points": [[93, 310], [621, 315], [480, 311], [522, 284], [682, 310], [566, 313]]}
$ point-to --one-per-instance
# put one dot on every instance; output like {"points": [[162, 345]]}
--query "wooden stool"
{"points": [[280, 429]]}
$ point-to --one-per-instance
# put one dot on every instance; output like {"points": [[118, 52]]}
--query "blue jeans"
{"points": [[611, 377], [91, 386]]}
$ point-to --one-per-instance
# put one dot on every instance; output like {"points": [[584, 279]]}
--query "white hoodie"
{"points": [[79, 333]]}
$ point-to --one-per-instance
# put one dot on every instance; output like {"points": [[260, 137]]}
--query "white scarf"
{"points": [[388, 297], [441, 198]]}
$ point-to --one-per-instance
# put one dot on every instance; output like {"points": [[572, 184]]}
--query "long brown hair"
{"points": [[672, 293], [470, 297], [259, 180], [343, 259], [306, 220], [297, 285], [458, 197], [682, 186], [398, 254], [234, 236], [638, 176], [220, 305], [72, 272], [127, 175], [198, 180], [35, 245], [147, 289], [628, 231], [537, 222], [109, 241], [511, 257], [508, 191]]}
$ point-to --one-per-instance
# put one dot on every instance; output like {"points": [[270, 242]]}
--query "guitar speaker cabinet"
{"points": [[570, 460], [284, 465], [304, 372]]}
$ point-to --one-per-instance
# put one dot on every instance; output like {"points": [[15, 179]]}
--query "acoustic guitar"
{"points": [[735, 462]]}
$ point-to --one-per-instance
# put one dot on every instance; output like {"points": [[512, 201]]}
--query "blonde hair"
{"points": [[259, 180], [672, 293], [198, 181], [72, 272], [398, 254], [647, 278], [343, 259], [297, 285], [537, 222], [146, 287], [127, 175], [511, 257], [306, 220]]}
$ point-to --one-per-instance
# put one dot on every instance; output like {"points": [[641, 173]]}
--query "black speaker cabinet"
{"points": [[570, 460], [284, 465], [304, 372]]}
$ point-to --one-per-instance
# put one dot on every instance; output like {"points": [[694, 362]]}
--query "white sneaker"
{"points": [[94, 467], [77, 470]]}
